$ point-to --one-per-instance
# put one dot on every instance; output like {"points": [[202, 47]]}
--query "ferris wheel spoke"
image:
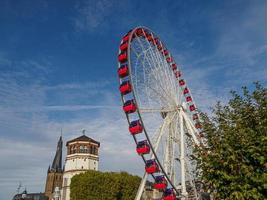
{"points": [[160, 70], [156, 110], [147, 87], [150, 60], [168, 73], [165, 67]]}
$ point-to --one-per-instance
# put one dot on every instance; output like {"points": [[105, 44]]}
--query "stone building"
{"points": [[82, 155], [54, 173]]}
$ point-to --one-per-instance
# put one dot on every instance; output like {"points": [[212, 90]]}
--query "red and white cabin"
{"points": [[177, 74], [143, 147], [186, 90], [165, 52], [195, 116], [182, 82], [169, 194], [123, 57], [169, 59], [125, 87], [192, 107], [160, 183], [123, 71], [151, 166], [198, 125], [135, 127], [139, 32], [129, 106], [174, 66], [124, 46], [188, 99]]}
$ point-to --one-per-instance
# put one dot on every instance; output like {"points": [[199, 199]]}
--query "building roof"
{"points": [[30, 196], [83, 138], [57, 162]]}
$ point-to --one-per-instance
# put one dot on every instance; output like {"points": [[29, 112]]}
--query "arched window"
{"points": [[85, 149], [91, 149], [74, 149], [81, 149], [71, 149], [94, 150]]}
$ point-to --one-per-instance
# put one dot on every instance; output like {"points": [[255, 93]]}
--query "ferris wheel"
{"points": [[162, 116]]}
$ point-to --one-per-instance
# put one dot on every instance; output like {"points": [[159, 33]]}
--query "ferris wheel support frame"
{"points": [[183, 121]]}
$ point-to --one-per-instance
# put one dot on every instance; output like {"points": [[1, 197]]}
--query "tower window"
{"points": [[81, 149], [85, 149]]}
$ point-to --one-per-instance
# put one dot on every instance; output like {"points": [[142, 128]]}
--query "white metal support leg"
{"points": [[143, 182], [182, 158], [141, 187]]}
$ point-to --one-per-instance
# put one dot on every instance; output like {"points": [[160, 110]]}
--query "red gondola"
{"points": [[139, 32], [181, 82], [126, 37], [135, 127], [198, 125], [123, 71], [160, 47], [186, 91], [129, 106], [125, 87], [143, 147], [192, 108], [151, 166], [177, 74], [160, 183], [165, 52], [174, 66], [149, 37], [169, 194], [123, 57], [169, 59], [195, 116], [156, 41], [124, 46], [201, 134], [188, 99]]}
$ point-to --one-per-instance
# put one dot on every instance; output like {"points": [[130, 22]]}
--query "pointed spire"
{"points": [[57, 162], [48, 170]]}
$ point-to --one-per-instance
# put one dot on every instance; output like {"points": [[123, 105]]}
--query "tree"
{"points": [[94, 185], [234, 161]]}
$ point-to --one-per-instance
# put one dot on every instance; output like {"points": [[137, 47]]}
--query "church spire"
{"points": [[57, 162]]}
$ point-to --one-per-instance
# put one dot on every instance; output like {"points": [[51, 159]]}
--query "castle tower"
{"points": [[54, 173], [82, 155]]}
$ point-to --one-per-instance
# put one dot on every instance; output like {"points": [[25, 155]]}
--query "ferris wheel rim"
{"points": [[131, 34], [138, 110]]}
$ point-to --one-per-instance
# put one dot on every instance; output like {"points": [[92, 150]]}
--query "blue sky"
{"points": [[58, 70]]}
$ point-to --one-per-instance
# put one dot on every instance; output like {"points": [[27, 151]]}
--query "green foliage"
{"points": [[94, 185], [234, 163]]}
